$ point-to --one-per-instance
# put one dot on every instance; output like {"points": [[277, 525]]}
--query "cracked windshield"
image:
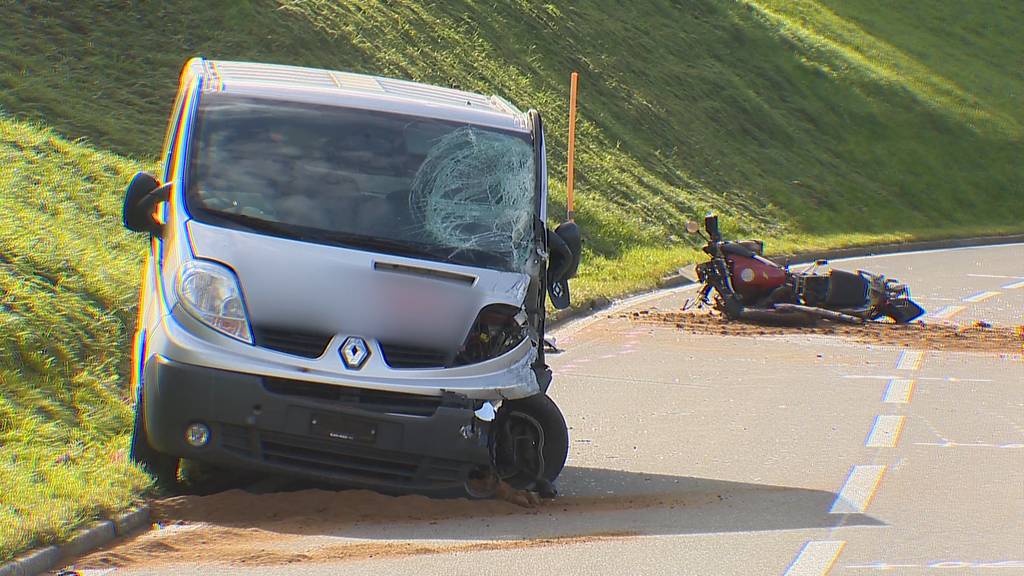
{"points": [[401, 184]]}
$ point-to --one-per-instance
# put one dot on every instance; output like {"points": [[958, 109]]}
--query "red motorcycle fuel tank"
{"points": [[753, 277]]}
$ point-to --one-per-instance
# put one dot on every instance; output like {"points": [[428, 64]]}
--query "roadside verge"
{"points": [[85, 540]]}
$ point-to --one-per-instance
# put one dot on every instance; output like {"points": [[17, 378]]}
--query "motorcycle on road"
{"points": [[748, 286]]}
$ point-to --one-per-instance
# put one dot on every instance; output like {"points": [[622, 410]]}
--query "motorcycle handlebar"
{"points": [[711, 225]]}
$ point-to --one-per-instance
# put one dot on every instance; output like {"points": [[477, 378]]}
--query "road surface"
{"points": [[706, 454]]}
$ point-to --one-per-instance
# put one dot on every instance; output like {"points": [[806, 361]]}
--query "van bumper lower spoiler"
{"points": [[352, 436]]}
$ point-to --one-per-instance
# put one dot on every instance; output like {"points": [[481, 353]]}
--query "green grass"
{"points": [[67, 298], [810, 123]]}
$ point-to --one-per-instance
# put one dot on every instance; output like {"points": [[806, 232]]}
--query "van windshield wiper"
{"points": [[462, 255], [328, 236], [390, 246], [258, 224]]}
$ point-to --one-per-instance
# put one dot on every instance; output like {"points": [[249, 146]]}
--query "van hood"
{"points": [[323, 289]]}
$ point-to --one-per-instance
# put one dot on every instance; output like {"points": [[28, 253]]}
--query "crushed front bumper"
{"points": [[357, 437]]}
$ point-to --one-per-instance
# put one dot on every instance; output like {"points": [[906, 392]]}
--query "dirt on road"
{"points": [[244, 529], [975, 337]]}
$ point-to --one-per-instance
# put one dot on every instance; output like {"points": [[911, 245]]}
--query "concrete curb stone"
{"points": [[32, 563], [88, 539], [131, 521], [84, 541]]}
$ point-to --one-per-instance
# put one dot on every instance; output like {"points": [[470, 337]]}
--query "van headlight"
{"points": [[210, 292]]}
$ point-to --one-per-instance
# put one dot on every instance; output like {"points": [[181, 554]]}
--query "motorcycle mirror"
{"points": [[692, 227]]}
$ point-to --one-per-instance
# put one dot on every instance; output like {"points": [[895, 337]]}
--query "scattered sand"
{"points": [[254, 547], [976, 337], [240, 528]]}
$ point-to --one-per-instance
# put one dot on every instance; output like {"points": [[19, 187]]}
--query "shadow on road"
{"points": [[311, 524], [593, 500]]}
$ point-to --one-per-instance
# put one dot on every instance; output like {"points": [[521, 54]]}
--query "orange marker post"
{"points": [[569, 204]]}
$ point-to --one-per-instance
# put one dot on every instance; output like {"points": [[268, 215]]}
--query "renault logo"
{"points": [[354, 352]]}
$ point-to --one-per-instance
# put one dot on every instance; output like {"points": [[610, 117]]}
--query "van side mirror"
{"points": [[566, 246], [570, 233], [140, 199]]}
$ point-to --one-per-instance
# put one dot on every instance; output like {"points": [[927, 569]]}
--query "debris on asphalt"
{"points": [[240, 528], [979, 336]]}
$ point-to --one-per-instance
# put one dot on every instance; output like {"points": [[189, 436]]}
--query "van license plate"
{"points": [[343, 428]]}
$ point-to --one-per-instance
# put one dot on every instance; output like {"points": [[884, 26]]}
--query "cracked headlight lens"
{"points": [[210, 292]]}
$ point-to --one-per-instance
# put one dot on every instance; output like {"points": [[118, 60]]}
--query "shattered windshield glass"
{"points": [[390, 183]]}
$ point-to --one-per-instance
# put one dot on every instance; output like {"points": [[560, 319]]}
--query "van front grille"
{"points": [[397, 356], [367, 464], [290, 341], [370, 400]]}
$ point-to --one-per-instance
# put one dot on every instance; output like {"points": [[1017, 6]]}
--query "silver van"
{"points": [[347, 281]]}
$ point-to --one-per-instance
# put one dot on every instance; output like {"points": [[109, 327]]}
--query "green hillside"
{"points": [[67, 304], [809, 122]]}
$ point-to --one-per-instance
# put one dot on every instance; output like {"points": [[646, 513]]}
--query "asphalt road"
{"points": [[800, 455]]}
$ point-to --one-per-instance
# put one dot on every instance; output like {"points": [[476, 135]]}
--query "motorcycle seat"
{"points": [[741, 248]]}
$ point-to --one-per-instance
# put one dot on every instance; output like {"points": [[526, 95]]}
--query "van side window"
{"points": [[174, 126]]}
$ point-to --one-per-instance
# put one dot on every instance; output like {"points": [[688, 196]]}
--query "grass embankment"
{"points": [[67, 298], [809, 123]]}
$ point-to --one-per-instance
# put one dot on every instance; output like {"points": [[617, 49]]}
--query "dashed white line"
{"points": [[886, 431], [816, 558], [947, 312], [981, 296], [898, 391], [859, 488], [909, 360]]}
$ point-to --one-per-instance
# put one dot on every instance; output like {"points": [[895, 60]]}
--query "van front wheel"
{"points": [[162, 467], [531, 442]]}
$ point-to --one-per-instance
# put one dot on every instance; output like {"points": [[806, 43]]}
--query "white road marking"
{"points": [[934, 430], [879, 566], [931, 378], [816, 558], [954, 379], [898, 391], [942, 565], [948, 444], [859, 488], [946, 312], [1013, 285], [980, 296], [910, 360], [996, 276], [885, 433]]}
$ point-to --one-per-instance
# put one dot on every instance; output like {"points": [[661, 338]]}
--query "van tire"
{"points": [[163, 467], [538, 410]]}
